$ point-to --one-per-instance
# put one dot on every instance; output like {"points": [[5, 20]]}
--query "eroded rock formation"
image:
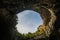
{"points": [[49, 10]]}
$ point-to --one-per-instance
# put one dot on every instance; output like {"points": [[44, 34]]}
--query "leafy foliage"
{"points": [[39, 33]]}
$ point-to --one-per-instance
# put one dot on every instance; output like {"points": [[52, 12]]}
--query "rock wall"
{"points": [[49, 10]]}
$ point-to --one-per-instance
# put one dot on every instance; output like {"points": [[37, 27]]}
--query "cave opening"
{"points": [[8, 9], [28, 21]]}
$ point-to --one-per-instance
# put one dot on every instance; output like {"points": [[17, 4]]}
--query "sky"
{"points": [[28, 21]]}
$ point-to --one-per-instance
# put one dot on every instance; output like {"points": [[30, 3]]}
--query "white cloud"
{"points": [[25, 29]]}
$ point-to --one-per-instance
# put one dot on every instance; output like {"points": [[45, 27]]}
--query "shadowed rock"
{"points": [[49, 10]]}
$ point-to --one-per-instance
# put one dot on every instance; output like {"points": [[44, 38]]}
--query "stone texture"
{"points": [[49, 10]]}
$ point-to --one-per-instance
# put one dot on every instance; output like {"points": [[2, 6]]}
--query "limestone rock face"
{"points": [[44, 29], [49, 10]]}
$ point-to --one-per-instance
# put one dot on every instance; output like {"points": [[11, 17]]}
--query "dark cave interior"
{"points": [[8, 18]]}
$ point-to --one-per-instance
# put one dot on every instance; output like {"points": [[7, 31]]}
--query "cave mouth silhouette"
{"points": [[28, 21], [10, 8], [46, 15]]}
